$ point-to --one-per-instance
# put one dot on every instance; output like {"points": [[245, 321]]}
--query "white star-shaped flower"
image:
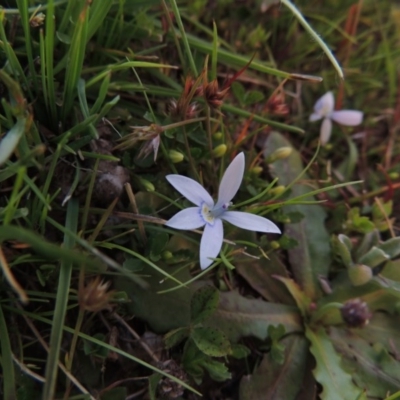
{"points": [[323, 108], [211, 215]]}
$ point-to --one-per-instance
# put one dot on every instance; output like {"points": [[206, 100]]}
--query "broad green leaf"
{"points": [[302, 301], [374, 293], [369, 240], [372, 367], [203, 304], [311, 258], [163, 312], [391, 270], [337, 384], [211, 341], [259, 275], [238, 317], [278, 382], [374, 257], [382, 328], [391, 247], [10, 141]]}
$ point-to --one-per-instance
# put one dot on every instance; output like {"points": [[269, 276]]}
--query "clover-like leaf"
{"points": [[211, 341], [204, 303]]}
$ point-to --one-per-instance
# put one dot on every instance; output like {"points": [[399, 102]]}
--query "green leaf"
{"points": [[369, 240], [158, 243], [260, 276], [254, 96], [379, 213], [278, 382], [238, 317], [154, 380], [359, 223], [239, 351], [195, 362], [374, 257], [239, 91], [211, 341], [175, 337], [163, 312], [391, 247], [311, 258], [341, 248], [204, 303], [336, 382], [382, 328], [218, 371], [372, 367], [302, 301]]}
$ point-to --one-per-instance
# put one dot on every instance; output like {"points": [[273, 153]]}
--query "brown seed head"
{"points": [[94, 296]]}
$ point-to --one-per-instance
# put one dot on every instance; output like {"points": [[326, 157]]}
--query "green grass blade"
{"points": [[7, 364], [314, 35], [76, 55], [49, 62], [64, 282], [23, 9]]}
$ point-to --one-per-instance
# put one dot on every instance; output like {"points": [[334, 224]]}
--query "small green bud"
{"points": [[167, 255], [359, 274], [175, 156], [275, 245], [147, 185], [328, 146], [218, 135], [256, 170], [279, 154], [219, 151], [277, 190], [394, 175]]}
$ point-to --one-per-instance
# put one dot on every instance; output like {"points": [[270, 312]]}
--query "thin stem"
{"points": [[189, 155], [175, 9], [71, 353], [315, 36]]}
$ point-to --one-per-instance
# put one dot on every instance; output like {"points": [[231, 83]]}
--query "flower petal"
{"points": [[231, 180], [191, 189], [189, 218], [325, 132], [211, 243], [324, 105], [250, 222], [314, 117], [347, 117]]}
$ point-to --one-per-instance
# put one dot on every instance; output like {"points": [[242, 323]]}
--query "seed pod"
{"points": [[219, 151], [355, 313]]}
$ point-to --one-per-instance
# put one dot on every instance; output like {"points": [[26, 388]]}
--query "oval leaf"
{"points": [[204, 303], [211, 341]]}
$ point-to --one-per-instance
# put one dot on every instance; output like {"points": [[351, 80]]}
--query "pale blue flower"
{"points": [[211, 215], [324, 108]]}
